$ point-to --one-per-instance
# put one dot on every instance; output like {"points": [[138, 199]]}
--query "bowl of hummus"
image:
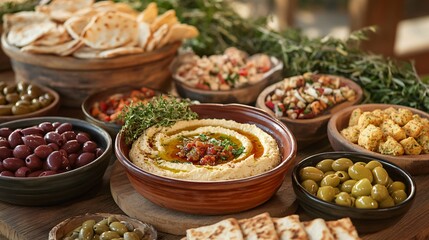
{"points": [[230, 159]]}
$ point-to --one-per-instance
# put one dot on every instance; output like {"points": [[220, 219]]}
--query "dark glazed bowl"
{"points": [[216, 197], [244, 95], [307, 131], [54, 189], [365, 220]]}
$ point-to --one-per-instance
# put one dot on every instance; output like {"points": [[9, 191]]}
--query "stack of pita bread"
{"points": [[264, 227], [86, 29]]}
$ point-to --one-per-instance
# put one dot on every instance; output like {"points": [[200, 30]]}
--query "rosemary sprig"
{"points": [[159, 111]]}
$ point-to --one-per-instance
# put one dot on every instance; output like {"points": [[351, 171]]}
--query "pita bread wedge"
{"points": [[157, 36], [144, 34], [258, 227], [178, 32], [56, 36], [343, 229], [169, 18], [22, 35], [225, 229], [64, 49], [149, 14], [75, 25], [110, 30], [289, 228], [318, 230], [120, 52]]}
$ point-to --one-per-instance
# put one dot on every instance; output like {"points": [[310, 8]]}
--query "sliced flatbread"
{"points": [[156, 37], [23, 35], [169, 18], [63, 49], [110, 30], [318, 230], [149, 14], [178, 32], [23, 18], [61, 10], [343, 229], [144, 34], [56, 36], [77, 24], [258, 227], [225, 229], [289, 228]]}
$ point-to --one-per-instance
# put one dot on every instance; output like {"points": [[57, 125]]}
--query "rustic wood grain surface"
{"points": [[34, 223]]}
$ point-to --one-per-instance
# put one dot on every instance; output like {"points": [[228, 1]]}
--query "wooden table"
{"points": [[34, 223]]}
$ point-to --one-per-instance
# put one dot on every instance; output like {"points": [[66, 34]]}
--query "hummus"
{"points": [[206, 150]]}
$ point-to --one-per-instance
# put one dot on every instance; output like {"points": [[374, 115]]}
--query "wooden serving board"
{"points": [[170, 221]]}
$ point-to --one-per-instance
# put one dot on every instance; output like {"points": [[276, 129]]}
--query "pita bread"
{"points": [[23, 18], [149, 14], [144, 34], [179, 32], [110, 30], [75, 25], [343, 229], [22, 35], [169, 18], [64, 49], [56, 36], [157, 37], [107, 6], [318, 230], [290, 227], [61, 10], [225, 229], [258, 227]]}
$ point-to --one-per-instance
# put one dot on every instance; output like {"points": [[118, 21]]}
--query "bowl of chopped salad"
{"points": [[231, 77], [306, 102]]}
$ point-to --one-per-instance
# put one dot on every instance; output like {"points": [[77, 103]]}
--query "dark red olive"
{"points": [[2, 168], [82, 137], [54, 146], [71, 146], [15, 138], [66, 164], [43, 151], [56, 124], [68, 135], [54, 137], [5, 152], [32, 131], [22, 172], [5, 132], [21, 151], [33, 141], [89, 146], [84, 159], [72, 159], [55, 160], [47, 173], [33, 162], [64, 127], [35, 173], [12, 164], [46, 126], [7, 174], [4, 142], [98, 152]]}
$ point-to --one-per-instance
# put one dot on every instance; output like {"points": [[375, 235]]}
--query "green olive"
{"points": [[89, 223], [397, 185], [342, 164], [311, 173], [360, 163], [101, 227], [326, 193], [388, 202], [23, 103], [336, 190], [344, 199], [111, 219], [366, 202], [22, 86], [26, 97], [372, 164], [342, 175], [43, 101], [86, 233], [311, 186], [328, 173], [18, 110], [330, 180], [389, 182], [2, 100], [380, 176], [49, 97], [348, 185], [34, 91], [109, 235], [9, 89], [5, 110], [96, 237], [131, 236], [325, 165], [358, 172], [362, 188], [379, 192], [118, 227], [12, 97], [399, 196]]}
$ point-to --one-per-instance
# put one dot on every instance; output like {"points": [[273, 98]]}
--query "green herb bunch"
{"points": [[159, 111]]}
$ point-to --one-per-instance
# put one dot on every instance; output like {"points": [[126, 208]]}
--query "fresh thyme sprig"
{"points": [[159, 111]]}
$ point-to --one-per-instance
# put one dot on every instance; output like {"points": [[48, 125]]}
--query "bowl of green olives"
{"points": [[373, 192], [102, 226], [22, 100]]}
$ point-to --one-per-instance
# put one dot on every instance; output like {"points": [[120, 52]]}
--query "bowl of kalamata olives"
{"points": [[48, 160], [373, 192], [20, 100]]}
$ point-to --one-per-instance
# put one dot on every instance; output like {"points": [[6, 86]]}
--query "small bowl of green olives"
{"points": [[21, 100], [103, 226], [373, 192]]}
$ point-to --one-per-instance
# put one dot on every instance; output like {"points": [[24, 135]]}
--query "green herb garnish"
{"points": [[159, 111]]}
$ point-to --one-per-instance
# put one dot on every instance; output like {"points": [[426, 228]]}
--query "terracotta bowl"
{"points": [[365, 220], [61, 230], [243, 95], [57, 188], [414, 164], [75, 79], [307, 131], [51, 109], [111, 128], [217, 197]]}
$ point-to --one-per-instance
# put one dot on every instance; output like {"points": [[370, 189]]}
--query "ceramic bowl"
{"points": [[110, 127], [61, 230], [365, 220], [244, 95], [414, 164], [51, 109], [215, 197], [57, 188], [307, 131]]}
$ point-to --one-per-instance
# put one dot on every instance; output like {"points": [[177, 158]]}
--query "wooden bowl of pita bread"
{"points": [[80, 48]]}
